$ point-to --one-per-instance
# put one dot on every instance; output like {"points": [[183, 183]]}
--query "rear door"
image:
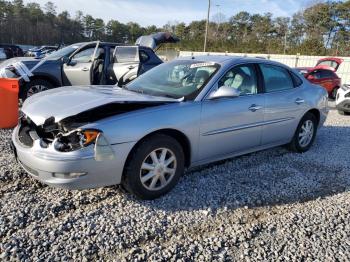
{"points": [[284, 104], [78, 71], [126, 63]]}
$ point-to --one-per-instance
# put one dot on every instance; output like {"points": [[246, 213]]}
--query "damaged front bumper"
{"points": [[71, 170]]}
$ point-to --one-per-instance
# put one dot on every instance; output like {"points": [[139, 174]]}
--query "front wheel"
{"points": [[305, 134], [154, 167], [33, 87]]}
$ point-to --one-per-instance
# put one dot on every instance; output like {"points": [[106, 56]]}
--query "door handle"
{"points": [[254, 108], [131, 67], [85, 69], [299, 101]]}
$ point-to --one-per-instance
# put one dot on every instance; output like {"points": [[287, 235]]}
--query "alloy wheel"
{"points": [[158, 169], [36, 89], [306, 133]]}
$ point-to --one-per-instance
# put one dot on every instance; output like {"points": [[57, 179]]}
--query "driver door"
{"points": [[126, 63], [78, 70], [233, 125]]}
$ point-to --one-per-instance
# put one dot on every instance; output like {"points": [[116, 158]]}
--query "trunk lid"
{"points": [[332, 63], [154, 41]]}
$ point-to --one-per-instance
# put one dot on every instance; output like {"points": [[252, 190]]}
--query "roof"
{"points": [[210, 58], [222, 59]]}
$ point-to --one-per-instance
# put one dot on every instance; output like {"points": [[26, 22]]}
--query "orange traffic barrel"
{"points": [[8, 102]]}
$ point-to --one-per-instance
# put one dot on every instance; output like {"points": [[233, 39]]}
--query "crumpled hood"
{"points": [[63, 102]]}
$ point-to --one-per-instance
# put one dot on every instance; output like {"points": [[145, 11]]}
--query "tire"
{"points": [[33, 87], [334, 93], [343, 113], [297, 145], [141, 163]]}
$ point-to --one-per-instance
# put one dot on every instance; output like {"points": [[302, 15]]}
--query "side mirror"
{"points": [[68, 61], [224, 91], [65, 60]]}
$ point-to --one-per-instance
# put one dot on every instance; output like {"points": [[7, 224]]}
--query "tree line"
{"points": [[320, 29]]}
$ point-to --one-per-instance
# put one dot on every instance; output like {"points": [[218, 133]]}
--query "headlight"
{"points": [[76, 140]]}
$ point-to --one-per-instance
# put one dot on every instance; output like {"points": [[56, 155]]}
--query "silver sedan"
{"points": [[181, 114]]}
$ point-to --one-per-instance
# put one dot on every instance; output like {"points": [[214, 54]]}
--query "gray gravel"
{"points": [[271, 205]]}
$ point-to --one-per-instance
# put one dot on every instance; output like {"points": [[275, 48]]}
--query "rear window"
{"points": [[329, 63]]}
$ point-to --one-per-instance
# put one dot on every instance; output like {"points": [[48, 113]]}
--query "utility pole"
{"points": [[207, 28], [219, 19], [285, 43]]}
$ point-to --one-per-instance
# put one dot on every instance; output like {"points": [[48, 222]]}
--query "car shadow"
{"points": [[266, 178]]}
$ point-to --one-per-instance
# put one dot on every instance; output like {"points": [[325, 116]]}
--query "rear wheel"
{"points": [[154, 167], [305, 134], [33, 87]]}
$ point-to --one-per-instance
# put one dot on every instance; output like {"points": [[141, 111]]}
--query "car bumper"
{"points": [[78, 170], [343, 103]]}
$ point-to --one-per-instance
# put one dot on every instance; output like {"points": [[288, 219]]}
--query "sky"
{"points": [[159, 12]]}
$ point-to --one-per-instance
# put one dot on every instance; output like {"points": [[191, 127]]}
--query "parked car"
{"points": [[42, 51], [92, 63], [343, 100], [324, 74], [26, 48], [12, 50], [2, 54], [181, 114]]}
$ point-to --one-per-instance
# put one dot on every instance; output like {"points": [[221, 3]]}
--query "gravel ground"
{"points": [[271, 205]]}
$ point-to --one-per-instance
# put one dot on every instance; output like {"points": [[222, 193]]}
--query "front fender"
{"points": [[132, 127]]}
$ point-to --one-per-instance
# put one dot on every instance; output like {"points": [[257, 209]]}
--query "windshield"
{"points": [[64, 52], [176, 79]]}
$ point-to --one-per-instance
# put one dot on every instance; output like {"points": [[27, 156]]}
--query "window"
{"points": [[84, 56], [276, 78], [143, 56], [326, 74], [243, 78], [296, 79], [329, 63], [124, 54], [64, 52], [177, 79], [320, 74]]}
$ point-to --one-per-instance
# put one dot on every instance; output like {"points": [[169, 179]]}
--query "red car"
{"points": [[324, 74]]}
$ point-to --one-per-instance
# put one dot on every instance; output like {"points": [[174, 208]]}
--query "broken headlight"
{"points": [[76, 140]]}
